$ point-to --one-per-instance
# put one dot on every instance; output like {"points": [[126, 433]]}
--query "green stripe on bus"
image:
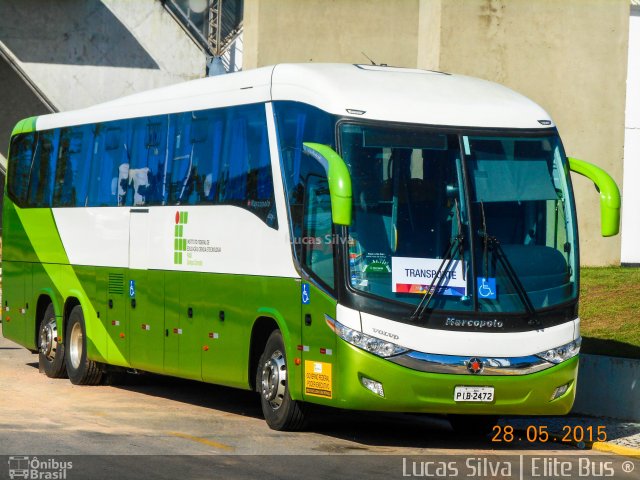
{"points": [[41, 230], [25, 126]]}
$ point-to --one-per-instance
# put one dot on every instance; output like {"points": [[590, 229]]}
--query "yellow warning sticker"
{"points": [[317, 379]]}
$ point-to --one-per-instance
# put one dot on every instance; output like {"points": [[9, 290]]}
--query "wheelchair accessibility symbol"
{"points": [[487, 288], [305, 294]]}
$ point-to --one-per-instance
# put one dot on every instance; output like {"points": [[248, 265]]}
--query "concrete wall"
{"points": [[17, 100], [608, 387], [631, 204], [330, 31], [82, 52], [570, 57]]}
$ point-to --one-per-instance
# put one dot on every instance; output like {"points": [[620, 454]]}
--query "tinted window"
{"points": [[195, 166], [298, 123], [21, 156], [148, 167], [207, 157], [318, 228], [222, 157], [246, 179], [73, 167], [43, 169], [110, 164], [180, 159]]}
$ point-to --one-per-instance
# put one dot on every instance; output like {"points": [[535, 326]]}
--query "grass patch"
{"points": [[610, 311]]}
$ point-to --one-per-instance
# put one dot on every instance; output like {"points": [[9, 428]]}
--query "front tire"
{"points": [[81, 370], [280, 411], [50, 351]]}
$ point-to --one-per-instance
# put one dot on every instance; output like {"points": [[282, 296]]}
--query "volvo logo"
{"points": [[475, 366], [386, 334]]}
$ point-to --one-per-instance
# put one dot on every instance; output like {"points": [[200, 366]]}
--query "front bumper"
{"points": [[407, 390]]}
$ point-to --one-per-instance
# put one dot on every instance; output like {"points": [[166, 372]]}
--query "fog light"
{"points": [[559, 391], [375, 387]]}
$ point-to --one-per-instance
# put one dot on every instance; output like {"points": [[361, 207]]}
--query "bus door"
{"points": [[317, 256], [145, 296]]}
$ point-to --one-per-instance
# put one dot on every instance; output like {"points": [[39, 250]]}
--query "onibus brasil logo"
{"points": [[34, 468], [179, 241]]}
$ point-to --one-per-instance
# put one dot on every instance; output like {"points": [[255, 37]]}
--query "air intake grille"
{"points": [[116, 283]]}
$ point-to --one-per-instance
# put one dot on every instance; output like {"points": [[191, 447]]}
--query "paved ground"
{"points": [[171, 418]]}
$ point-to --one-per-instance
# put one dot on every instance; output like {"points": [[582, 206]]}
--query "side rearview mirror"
{"points": [[338, 178], [609, 195]]}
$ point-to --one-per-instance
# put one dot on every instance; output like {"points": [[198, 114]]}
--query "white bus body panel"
{"points": [[220, 239], [240, 88], [96, 236], [379, 93], [140, 252], [406, 95]]}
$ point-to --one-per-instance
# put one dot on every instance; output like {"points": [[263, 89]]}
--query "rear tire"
{"points": [[50, 351], [477, 426], [81, 370], [280, 411]]}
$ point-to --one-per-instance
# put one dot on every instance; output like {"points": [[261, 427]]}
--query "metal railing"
{"points": [[213, 24]]}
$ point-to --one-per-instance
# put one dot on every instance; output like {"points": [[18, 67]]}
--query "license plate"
{"points": [[473, 394]]}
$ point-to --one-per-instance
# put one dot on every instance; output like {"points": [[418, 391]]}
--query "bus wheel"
{"points": [[81, 370], [50, 352], [473, 425], [280, 412]]}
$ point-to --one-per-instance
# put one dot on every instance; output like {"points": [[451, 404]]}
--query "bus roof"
{"points": [[360, 91]]}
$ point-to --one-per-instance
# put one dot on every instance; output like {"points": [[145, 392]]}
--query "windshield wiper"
{"points": [[456, 242], [494, 244]]}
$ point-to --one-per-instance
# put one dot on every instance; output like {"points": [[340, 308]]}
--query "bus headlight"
{"points": [[366, 342], [562, 353]]}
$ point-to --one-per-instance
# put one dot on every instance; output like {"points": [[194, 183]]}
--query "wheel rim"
{"points": [[75, 345], [49, 339], [274, 379]]}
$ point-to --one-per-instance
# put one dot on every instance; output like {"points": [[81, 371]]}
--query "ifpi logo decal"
{"points": [[179, 241]]}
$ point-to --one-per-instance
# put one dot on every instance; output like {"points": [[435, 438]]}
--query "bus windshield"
{"points": [[483, 222]]}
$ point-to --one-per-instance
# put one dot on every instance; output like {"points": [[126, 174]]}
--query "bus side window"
{"points": [[236, 161], [317, 244], [311, 221], [211, 167], [181, 159], [203, 160], [298, 123], [73, 167], [43, 169], [110, 164], [148, 154], [259, 181], [246, 179], [208, 156], [21, 156]]}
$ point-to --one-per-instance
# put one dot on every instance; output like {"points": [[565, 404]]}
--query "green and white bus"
{"points": [[357, 236]]}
